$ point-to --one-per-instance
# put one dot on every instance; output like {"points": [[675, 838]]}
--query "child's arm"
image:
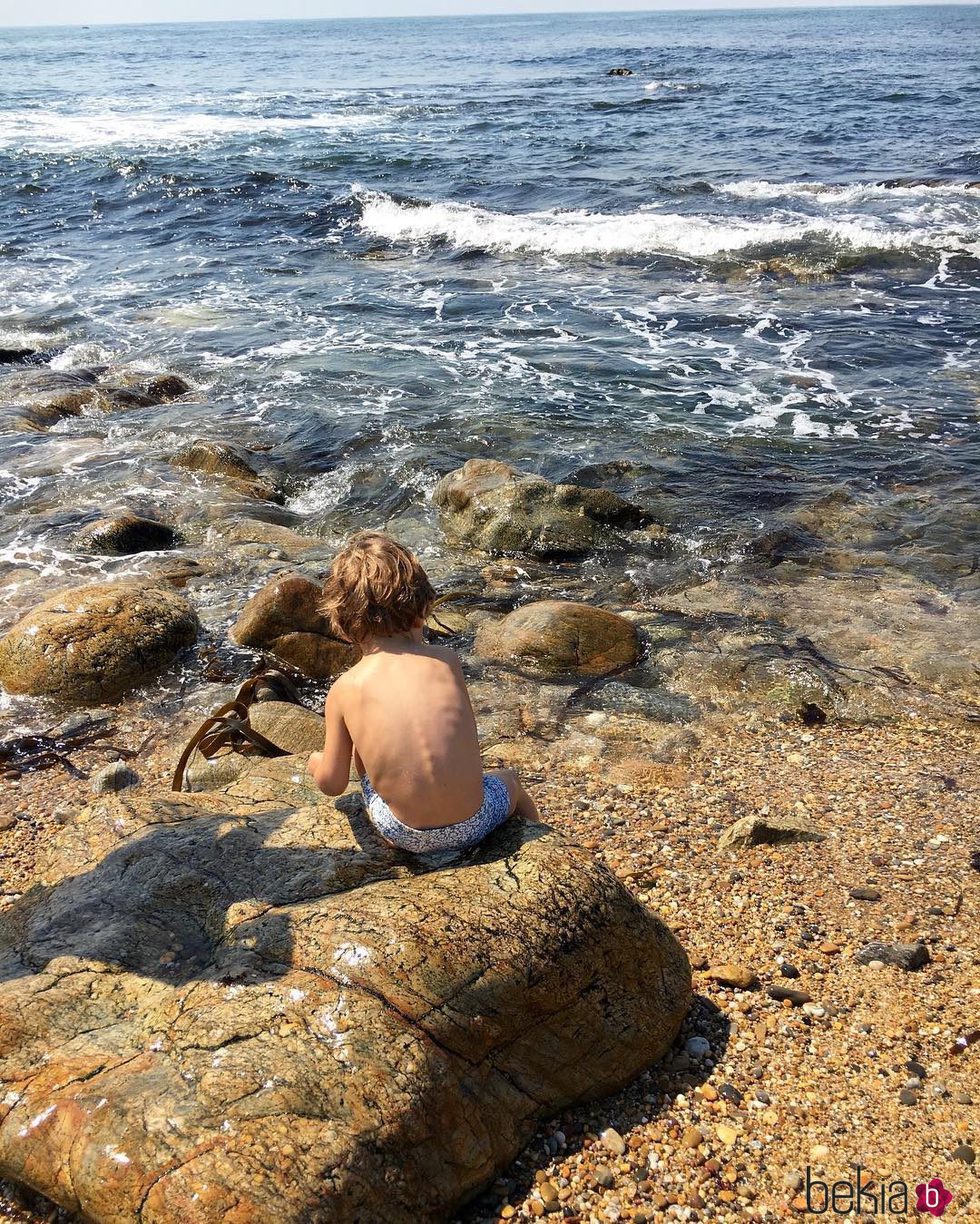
{"points": [[330, 769]]}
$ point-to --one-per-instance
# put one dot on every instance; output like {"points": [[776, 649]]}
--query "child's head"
{"points": [[375, 588]]}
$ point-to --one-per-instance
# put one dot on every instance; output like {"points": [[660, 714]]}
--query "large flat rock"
{"points": [[243, 1008]]}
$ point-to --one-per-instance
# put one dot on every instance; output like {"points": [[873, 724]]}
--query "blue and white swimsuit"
{"points": [[460, 836]]}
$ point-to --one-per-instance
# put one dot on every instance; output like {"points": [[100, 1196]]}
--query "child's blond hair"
{"points": [[375, 588]]}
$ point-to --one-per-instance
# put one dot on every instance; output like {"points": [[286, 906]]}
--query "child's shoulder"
{"points": [[445, 653]]}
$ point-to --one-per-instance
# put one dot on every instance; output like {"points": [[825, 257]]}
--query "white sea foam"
{"points": [[54, 131], [646, 231], [844, 193], [679, 86]]}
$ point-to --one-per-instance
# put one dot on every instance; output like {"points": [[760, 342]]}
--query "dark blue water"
{"points": [[378, 248]]}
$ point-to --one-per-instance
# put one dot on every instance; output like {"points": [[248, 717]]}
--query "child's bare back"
{"points": [[407, 712], [402, 713]]}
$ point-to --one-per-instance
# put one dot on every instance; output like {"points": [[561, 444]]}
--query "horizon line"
{"points": [[668, 7]]}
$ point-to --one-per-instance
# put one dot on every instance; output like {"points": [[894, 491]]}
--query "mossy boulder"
{"points": [[494, 507]]}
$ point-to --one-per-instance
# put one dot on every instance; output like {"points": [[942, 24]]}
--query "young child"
{"points": [[403, 711]]}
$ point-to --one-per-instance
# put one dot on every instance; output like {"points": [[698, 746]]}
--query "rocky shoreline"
{"points": [[776, 752]]}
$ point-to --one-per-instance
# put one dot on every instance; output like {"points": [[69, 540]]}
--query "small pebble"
{"points": [[613, 1141], [697, 1047]]}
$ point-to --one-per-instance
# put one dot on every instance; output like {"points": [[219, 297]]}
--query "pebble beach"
{"points": [[863, 1070]]}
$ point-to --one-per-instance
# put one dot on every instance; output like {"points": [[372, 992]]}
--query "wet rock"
{"points": [[494, 507], [34, 400], [620, 72], [38, 399], [289, 726], [226, 461], [231, 1005], [270, 535], [126, 533], [158, 388], [768, 831], [112, 778], [906, 956], [656, 704], [92, 644], [675, 747], [554, 637], [283, 618], [14, 356]]}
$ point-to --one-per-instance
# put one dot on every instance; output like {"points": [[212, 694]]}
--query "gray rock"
{"points": [[864, 894], [768, 831], [796, 997], [906, 956], [964, 1152], [114, 777]]}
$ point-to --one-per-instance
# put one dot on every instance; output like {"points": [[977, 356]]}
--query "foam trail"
{"points": [[57, 132], [845, 193], [644, 232]]}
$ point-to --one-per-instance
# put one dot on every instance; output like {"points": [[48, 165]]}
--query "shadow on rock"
{"points": [[246, 993]]}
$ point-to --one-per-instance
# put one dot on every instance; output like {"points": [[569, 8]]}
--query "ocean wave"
{"points": [[845, 193], [53, 131], [644, 232]]}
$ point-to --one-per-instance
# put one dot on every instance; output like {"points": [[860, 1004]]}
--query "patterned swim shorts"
{"points": [[460, 836]]}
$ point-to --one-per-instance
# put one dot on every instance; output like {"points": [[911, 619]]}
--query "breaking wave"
{"points": [[647, 231]]}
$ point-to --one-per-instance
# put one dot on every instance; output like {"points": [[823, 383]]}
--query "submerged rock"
{"points": [[620, 72], [494, 507], [93, 643], [33, 400], [246, 1007], [127, 533], [114, 777], [553, 637], [36, 399], [229, 462], [284, 619], [275, 536]]}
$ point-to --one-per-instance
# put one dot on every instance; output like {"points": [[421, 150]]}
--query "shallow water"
{"points": [[752, 269]]}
